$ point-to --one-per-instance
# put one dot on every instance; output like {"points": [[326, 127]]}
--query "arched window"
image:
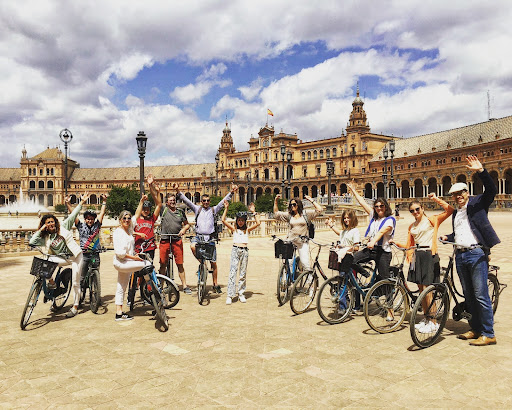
{"points": [[309, 154], [315, 154], [321, 153], [328, 153], [334, 151], [30, 171], [41, 185], [50, 184], [32, 185], [303, 156]]}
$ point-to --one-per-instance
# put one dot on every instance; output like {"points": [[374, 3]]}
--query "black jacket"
{"points": [[478, 207]]}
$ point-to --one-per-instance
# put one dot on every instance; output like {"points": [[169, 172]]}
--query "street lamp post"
{"points": [[283, 153], [330, 169], [216, 173], [66, 137], [385, 174], [141, 146], [392, 181], [248, 177], [289, 173]]}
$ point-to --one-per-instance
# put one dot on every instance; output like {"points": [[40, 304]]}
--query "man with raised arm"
{"points": [[205, 223], [89, 232], [174, 224], [144, 221], [471, 226]]}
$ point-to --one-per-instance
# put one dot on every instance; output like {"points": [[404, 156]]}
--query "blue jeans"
{"points": [[473, 271]]}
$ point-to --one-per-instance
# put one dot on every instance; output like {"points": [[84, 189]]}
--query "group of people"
{"points": [[472, 234], [470, 224]]}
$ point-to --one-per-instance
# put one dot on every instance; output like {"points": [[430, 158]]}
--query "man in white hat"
{"points": [[471, 227]]}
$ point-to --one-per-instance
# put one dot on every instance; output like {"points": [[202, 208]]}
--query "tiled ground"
{"points": [[244, 355]]}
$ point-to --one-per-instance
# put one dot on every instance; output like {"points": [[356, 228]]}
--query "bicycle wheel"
{"points": [[131, 292], [170, 292], [95, 290], [83, 290], [201, 283], [427, 324], [282, 286], [385, 306], [160, 310], [494, 290], [303, 292], [31, 302], [61, 293], [335, 300]]}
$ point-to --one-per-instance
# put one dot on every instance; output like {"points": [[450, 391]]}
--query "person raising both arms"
{"points": [[144, 221], [174, 224], [240, 251], [205, 223], [298, 220]]}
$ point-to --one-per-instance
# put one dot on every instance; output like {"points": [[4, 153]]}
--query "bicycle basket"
{"points": [[333, 261], [205, 250], [42, 267], [283, 249]]}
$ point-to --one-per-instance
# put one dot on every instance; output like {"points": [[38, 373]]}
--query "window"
{"points": [[41, 172], [328, 153], [256, 157], [318, 171], [303, 156], [305, 172], [321, 153], [334, 152], [50, 184], [315, 154], [309, 154], [41, 184], [275, 155], [30, 171], [47, 171], [32, 184], [51, 171]]}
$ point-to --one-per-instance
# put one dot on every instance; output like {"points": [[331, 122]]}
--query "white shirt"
{"points": [[240, 236], [463, 234], [375, 227], [349, 238], [124, 244]]}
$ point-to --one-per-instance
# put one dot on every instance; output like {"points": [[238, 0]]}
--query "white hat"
{"points": [[459, 186]]}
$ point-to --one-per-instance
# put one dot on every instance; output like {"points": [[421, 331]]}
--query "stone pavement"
{"points": [[244, 355]]}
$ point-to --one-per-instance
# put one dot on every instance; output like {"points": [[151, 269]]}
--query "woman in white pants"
{"points": [[125, 261]]}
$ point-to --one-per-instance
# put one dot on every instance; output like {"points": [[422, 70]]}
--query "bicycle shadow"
{"points": [[454, 327], [43, 321], [102, 308], [325, 324]]}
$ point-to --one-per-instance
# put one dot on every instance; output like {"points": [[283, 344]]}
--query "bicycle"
{"points": [[304, 287], [437, 298], [42, 269], [169, 267], [387, 302], [204, 253], [92, 281], [287, 275], [336, 297]]}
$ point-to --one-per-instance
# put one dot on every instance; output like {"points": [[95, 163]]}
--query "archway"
{"points": [[494, 176], [259, 192], [447, 184], [241, 194], [322, 190], [418, 188], [49, 199], [461, 178], [405, 189], [305, 191], [333, 189], [508, 181], [268, 191], [197, 197], [314, 191], [380, 190], [2, 200], [189, 196], [277, 191], [40, 199], [478, 187], [92, 199], [368, 190], [295, 191], [343, 189], [432, 185]]}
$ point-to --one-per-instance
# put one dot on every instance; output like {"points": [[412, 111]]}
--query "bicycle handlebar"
{"points": [[60, 255], [475, 246], [409, 248]]}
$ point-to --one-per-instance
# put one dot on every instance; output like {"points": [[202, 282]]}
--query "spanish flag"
{"points": [[270, 112]]}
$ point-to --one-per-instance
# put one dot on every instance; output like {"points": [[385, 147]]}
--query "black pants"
{"points": [[382, 260]]}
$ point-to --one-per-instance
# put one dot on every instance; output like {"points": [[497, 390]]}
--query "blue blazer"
{"points": [[478, 207]]}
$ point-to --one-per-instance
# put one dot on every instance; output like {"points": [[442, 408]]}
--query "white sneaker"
{"points": [[242, 298], [430, 327], [228, 301], [420, 325]]}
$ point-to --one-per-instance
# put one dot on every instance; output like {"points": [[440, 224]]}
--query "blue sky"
{"points": [[177, 70]]}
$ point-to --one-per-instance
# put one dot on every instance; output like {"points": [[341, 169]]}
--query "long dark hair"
{"points": [[48, 216], [387, 208], [300, 207]]}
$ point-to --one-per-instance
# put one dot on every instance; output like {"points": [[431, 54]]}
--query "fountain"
{"points": [[23, 206]]}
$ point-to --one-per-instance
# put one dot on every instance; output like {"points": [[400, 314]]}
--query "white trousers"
{"points": [[76, 268], [124, 272]]}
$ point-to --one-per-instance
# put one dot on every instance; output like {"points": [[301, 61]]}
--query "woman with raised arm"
{"points": [[298, 222], [424, 266], [240, 251]]}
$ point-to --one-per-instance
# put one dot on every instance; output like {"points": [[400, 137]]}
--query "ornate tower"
{"points": [[226, 142], [357, 122]]}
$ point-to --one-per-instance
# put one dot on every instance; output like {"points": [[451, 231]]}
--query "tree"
{"points": [[60, 208], [121, 198], [235, 207], [265, 203]]}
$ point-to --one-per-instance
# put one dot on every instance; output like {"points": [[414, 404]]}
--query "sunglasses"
{"points": [[127, 218], [459, 193], [206, 200], [294, 204], [379, 206], [414, 210]]}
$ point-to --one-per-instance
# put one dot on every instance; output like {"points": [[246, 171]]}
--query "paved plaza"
{"points": [[244, 355]]}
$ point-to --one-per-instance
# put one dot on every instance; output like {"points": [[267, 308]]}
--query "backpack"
{"points": [[311, 226]]}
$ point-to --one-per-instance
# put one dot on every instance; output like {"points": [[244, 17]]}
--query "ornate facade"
{"points": [[282, 162]]}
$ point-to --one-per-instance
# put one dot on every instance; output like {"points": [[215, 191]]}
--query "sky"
{"points": [[177, 70]]}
